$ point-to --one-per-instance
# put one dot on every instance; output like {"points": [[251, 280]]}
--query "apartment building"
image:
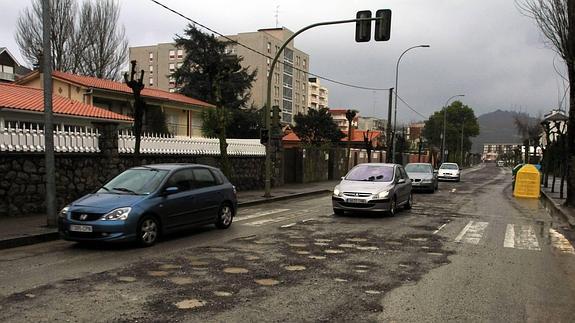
{"points": [[338, 116], [290, 78], [371, 123], [317, 94], [492, 151]]}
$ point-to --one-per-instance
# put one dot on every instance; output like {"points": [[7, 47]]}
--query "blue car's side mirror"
{"points": [[171, 190]]}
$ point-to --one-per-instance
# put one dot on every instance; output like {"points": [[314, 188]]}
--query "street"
{"points": [[469, 252]]}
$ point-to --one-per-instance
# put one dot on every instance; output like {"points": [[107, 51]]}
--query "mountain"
{"points": [[496, 127]]}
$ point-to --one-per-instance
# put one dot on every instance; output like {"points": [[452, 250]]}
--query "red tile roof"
{"points": [[109, 85], [31, 99], [357, 136]]}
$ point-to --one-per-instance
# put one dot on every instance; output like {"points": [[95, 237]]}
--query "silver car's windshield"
{"points": [[135, 181], [371, 173], [418, 168]]}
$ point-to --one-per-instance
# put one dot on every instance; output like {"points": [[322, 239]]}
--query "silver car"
{"points": [[422, 176], [373, 187]]}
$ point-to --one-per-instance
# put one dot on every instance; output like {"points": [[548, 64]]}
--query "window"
{"points": [[203, 177], [181, 179], [151, 56], [172, 54], [180, 53], [276, 91], [269, 61], [304, 63], [269, 47], [179, 65], [172, 67], [151, 69], [303, 101], [151, 81]]}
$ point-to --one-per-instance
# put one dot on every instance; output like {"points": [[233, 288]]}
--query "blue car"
{"points": [[145, 202]]}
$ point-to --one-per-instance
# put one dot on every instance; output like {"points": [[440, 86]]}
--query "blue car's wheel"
{"points": [[148, 231], [225, 216]]}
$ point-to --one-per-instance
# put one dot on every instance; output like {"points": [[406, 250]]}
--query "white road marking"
{"points": [[259, 214], [509, 241], [526, 239], [472, 232], [441, 227], [558, 241]]}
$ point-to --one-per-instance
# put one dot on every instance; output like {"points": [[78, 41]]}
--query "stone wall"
{"points": [[22, 175]]}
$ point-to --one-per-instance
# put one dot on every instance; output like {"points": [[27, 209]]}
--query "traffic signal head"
{"points": [[264, 136], [383, 25], [363, 28]]}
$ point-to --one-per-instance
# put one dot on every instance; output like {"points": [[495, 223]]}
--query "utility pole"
{"points": [[388, 158], [51, 212], [462, 124]]}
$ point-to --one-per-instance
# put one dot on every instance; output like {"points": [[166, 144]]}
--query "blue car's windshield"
{"points": [[135, 181], [418, 168], [371, 173]]}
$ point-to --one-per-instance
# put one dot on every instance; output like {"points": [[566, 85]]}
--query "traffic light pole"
{"points": [[268, 163]]}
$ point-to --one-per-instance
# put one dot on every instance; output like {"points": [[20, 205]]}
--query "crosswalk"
{"points": [[517, 236]]}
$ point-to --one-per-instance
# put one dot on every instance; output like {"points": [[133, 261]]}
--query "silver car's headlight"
{"points": [[64, 212], [117, 214], [336, 192], [383, 194]]}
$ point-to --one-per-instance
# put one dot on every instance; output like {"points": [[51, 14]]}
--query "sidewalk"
{"points": [[20, 231], [555, 204]]}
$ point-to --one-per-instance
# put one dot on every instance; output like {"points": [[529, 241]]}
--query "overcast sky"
{"points": [[485, 49]]}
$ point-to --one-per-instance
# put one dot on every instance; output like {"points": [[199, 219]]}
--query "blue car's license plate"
{"points": [[80, 228]]}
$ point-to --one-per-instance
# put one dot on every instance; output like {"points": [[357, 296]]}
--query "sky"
{"points": [[485, 49]]}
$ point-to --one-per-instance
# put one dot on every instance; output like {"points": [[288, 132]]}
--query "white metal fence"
{"points": [[22, 137], [163, 144]]}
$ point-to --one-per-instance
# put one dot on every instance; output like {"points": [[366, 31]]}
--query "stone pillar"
{"points": [[108, 140]]}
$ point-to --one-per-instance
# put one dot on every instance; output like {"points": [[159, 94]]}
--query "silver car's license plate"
{"points": [[356, 201], [80, 228]]}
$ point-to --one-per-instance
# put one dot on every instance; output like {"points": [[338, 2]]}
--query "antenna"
{"points": [[277, 15]]}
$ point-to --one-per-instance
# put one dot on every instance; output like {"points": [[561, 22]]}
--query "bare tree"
{"points": [[556, 20], [92, 45], [350, 116], [530, 130]]}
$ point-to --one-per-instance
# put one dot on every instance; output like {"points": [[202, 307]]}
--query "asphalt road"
{"points": [[469, 252]]}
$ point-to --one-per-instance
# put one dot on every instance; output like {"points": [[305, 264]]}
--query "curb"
{"points": [[51, 236], [282, 198], [556, 209]]}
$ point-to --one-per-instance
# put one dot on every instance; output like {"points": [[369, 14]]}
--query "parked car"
{"points": [[145, 202], [449, 172], [422, 176], [373, 187]]}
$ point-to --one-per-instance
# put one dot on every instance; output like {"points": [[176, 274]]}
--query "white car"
{"points": [[449, 172]]}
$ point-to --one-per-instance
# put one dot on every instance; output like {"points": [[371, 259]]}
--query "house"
{"points": [[338, 116], [555, 122], [10, 69], [182, 114], [22, 107], [292, 140]]}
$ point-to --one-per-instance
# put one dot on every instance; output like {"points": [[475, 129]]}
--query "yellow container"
{"points": [[527, 182]]}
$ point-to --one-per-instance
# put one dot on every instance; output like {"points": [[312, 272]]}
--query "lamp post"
{"points": [[395, 107], [444, 123]]}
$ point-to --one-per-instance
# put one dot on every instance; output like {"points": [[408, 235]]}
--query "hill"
{"points": [[496, 127]]}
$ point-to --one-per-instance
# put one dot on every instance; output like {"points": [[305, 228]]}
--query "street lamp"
{"points": [[395, 108], [444, 123]]}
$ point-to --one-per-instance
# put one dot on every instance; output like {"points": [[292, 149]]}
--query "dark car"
{"points": [[145, 202], [422, 176], [373, 187]]}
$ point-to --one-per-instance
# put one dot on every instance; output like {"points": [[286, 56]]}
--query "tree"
{"points": [[556, 20], [349, 115], [530, 131], [137, 85], [317, 128], [93, 45], [244, 123], [458, 115], [208, 73], [368, 145]]}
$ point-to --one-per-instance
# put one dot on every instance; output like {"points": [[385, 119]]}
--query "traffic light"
{"points": [[363, 28], [264, 136], [382, 25]]}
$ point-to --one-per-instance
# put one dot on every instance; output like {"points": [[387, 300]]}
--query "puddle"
{"points": [[294, 268], [235, 270], [181, 280], [361, 266], [333, 251], [267, 282], [199, 263], [372, 292], [366, 248], [190, 304], [30, 295], [418, 239], [168, 266], [347, 245], [356, 239], [297, 245], [222, 294], [435, 254], [251, 258], [360, 271], [323, 244], [126, 279], [341, 280], [302, 252], [157, 273], [323, 240], [317, 257]]}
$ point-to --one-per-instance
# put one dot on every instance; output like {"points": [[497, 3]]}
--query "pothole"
{"points": [[222, 294], [181, 280], [323, 240], [372, 292], [251, 258], [267, 282], [302, 252], [297, 245], [199, 268], [199, 263], [294, 268], [190, 304], [333, 251], [341, 280], [361, 266], [169, 266], [435, 254], [418, 239], [361, 271], [235, 270], [216, 249], [367, 248], [322, 244], [157, 273], [347, 245], [126, 279], [317, 257], [356, 239]]}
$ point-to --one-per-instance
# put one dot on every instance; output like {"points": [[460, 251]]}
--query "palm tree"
{"points": [[349, 115]]}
